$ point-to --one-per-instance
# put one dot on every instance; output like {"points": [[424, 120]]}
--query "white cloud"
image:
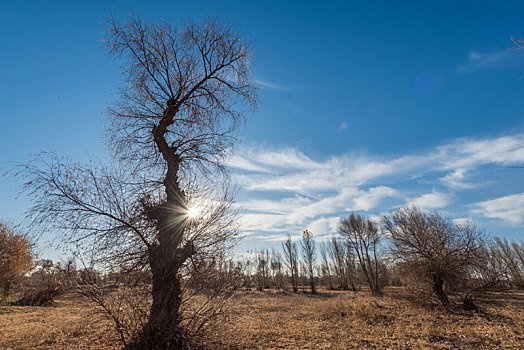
{"points": [[463, 221], [510, 208], [455, 179], [431, 200], [466, 154], [324, 225], [244, 164]]}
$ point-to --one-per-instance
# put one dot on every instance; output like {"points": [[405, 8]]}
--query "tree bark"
{"points": [[438, 288], [166, 258]]}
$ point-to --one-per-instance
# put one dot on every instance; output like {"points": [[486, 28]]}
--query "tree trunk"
{"points": [[438, 288]]}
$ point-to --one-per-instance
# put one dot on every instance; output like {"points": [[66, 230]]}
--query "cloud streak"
{"points": [[286, 191], [509, 209], [477, 61]]}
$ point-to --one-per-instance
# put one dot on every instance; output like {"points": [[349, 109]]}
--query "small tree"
{"points": [[16, 258], [309, 255], [291, 259], [438, 252], [364, 236]]}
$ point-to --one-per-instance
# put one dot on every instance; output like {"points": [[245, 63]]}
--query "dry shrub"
{"points": [[47, 283], [126, 305]]}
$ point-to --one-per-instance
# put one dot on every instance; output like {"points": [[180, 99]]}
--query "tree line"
{"points": [[424, 251]]}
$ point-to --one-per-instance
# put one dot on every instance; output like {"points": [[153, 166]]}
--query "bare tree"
{"points": [[276, 267], [187, 88], [291, 259], [263, 266], [343, 263], [309, 255], [438, 251], [511, 256], [364, 237], [16, 258], [326, 266]]}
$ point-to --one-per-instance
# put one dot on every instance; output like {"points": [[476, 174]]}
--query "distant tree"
{"points": [[325, 267], [511, 259], [364, 237], [277, 267], [263, 266], [291, 260], [16, 258], [187, 87], [343, 263], [309, 255], [437, 252]]}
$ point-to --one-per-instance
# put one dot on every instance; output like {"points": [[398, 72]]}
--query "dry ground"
{"points": [[331, 320]]}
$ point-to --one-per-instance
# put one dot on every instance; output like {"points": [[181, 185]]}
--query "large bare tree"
{"points": [[188, 86], [436, 250]]}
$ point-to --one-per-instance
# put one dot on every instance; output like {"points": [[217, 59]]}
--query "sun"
{"points": [[192, 212]]}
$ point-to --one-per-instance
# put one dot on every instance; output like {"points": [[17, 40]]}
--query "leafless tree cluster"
{"points": [[508, 258], [364, 238], [339, 263]]}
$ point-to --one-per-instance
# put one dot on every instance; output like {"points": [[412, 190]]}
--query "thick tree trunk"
{"points": [[166, 258]]}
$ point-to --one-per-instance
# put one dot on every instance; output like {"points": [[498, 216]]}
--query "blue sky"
{"points": [[365, 105]]}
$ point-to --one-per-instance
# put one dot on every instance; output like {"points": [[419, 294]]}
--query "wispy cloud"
{"points": [[269, 85], [501, 59], [286, 191], [510, 208]]}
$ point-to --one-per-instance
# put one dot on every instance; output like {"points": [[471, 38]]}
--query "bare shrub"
{"points": [[126, 305], [47, 283]]}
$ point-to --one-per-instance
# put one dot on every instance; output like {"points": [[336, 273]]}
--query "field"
{"points": [[269, 320]]}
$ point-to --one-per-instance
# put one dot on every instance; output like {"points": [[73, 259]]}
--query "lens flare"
{"points": [[192, 212]]}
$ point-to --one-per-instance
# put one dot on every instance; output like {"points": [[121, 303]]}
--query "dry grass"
{"points": [[71, 323], [332, 320], [359, 321]]}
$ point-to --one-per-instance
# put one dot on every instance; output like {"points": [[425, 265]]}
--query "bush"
{"points": [[47, 282], [16, 258]]}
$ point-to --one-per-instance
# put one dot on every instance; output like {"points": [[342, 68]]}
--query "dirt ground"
{"points": [[267, 320]]}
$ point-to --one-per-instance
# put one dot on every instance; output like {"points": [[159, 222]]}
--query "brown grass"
{"points": [[71, 323], [331, 320]]}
